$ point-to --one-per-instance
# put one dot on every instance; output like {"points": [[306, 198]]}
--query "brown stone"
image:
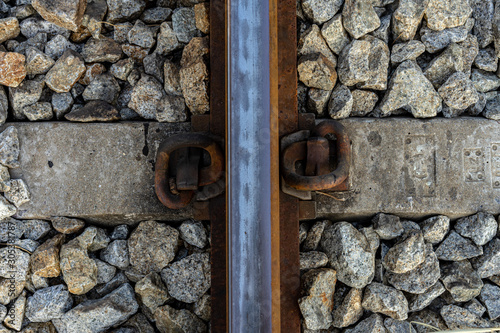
{"points": [[135, 52], [9, 29], [66, 72], [194, 85], [92, 71], [78, 270], [65, 13], [94, 111], [45, 259], [12, 69], [197, 49], [66, 225], [201, 15]]}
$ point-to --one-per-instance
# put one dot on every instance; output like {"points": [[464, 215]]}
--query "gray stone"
{"points": [[203, 307], [417, 302], [105, 272], [350, 311], [4, 106], [334, 34], [311, 41], [318, 287], [153, 65], [141, 35], [398, 326], [349, 254], [78, 270], [151, 292], [118, 280], [4, 179], [193, 233], [383, 299], [61, 104], [407, 51], [146, 96], [94, 111], [120, 32], [312, 259], [171, 78], [36, 229], [487, 60], [456, 248], [444, 65], [38, 111], [440, 15], [26, 244], [98, 315], [438, 40], [411, 90], [316, 71], [33, 25], [171, 109], [93, 239], [11, 229], [189, 278], [372, 237], [104, 87], [490, 296], [387, 226], [152, 246], [409, 226], [169, 319], [461, 281], [184, 24], [321, 11], [48, 303], [488, 264], [19, 193], [484, 81], [372, 324], [66, 72], [103, 49], [22, 12], [482, 12], [384, 30], [364, 63], [471, 50], [481, 227], [124, 10], [116, 254], [57, 45], [16, 312], [435, 228], [303, 228], [122, 68], [407, 254], [167, 40], [427, 317], [67, 225], [37, 62], [407, 17], [475, 307], [156, 15], [460, 318], [6, 209], [27, 93], [359, 17], [317, 100], [21, 267], [120, 232], [314, 235], [420, 279], [458, 91], [139, 323], [340, 104], [194, 85], [492, 107], [10, 291]]}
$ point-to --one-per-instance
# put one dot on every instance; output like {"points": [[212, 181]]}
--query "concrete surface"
{"points": [[100, 172], [416, 168]]}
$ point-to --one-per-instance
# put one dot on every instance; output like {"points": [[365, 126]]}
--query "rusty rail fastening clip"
{"points": [[205, 175], [316, 152]]}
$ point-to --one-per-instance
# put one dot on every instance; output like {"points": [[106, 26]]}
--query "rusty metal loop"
{"points": [[298, 151], [207, 175]]}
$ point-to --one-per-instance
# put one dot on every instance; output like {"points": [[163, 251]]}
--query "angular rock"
{"points": [[444, 65], [202, 18], [36, 229], [316, 306], [169, 320], [167, 41], [312, 259], [12, 68], [458, 91], [118, 280], [459, 318], [124, 10], [103, 49], [492, 108], [116, 254], [92, 72], [350, 311], [45, 259], [146, 96], [417, 302], [475, 307], [486, 60], [4, 105], [471, 50], [490, 296], [16, 311], [141, 35], [407, 51], [406, 254], [6, 209], [461, 281], [65, 13], [407, 17], [37, 62], [435, 228], [488, 264], [120, 232], [139, 323], [9, 29], [383, 299], [18, 193], [420, 279], [57, 45], [340, 104], [171, 78], [438, 40], [189, 278], [387, 226], [359, 17], [48, 303], [61, 104], [33, 25], [93, 239], [105, 272], [21, 265], [316, 71], [409, 89], [66, 72], [203, 307], [122, 68], [383, 31], [484, 81], [98, 315], [349, 254], [38, 111], [364, 63], [67, 225], [78, 270], [194, 85], [153, 65], [104, 87], [334, 34], [372, 324], [482, 12], [320, 11], [152, 246], [311, 41], [151, 292], [94, 111], [184, 24], [481, 227], [193, 233], [27, 93], [314, 235], [372, 237], [317, 100], [441, 14], [455, 248]]}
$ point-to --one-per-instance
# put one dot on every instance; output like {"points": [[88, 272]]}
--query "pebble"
{"points": [[459, 318], [383, 299], [341, 102], [4, 106], [19, 193], [122, 68], [145, 97], [372, 324], [435, 228], [65, 13], [48, 303], [193, 233], [37, 62], [156, 15], [104, 87], [9, 291], [359, 17], [417, 302], [78, 270], [471, 50], [372, 237], [350, 310], [66, 72], [456, 248], [151, 292], [120, 32], [349, 253], [9, 29], [481, 227], [38, 111], [488, 264], [312, 259], [169, 320], [153, 65], [94, 111], [34, 25], [101, 314], [320, 11], [184, 24], [475, 307], [492, 108], [189, 278], [152, 246], [316, 71], [313, 238], [316, 305], [6, 209], [116, 254], [141, 35], [461, 281], [407, 254], [387, 226], [406, 19], [27, 93], [103, 49], [124, 10], [458, 91], [427, 317], [45, 259], [11, 229], [383, 31], [36, 229], [440, 14], [114, 283], [93, 239], [12, 68], [61, 104]]}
